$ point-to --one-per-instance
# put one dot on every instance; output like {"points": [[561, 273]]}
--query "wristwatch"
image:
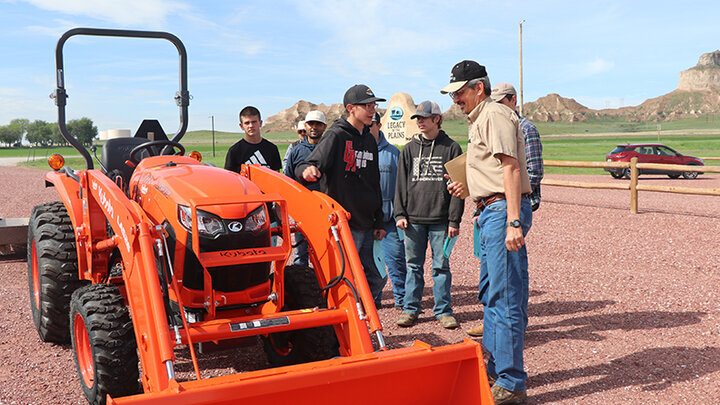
{"points": [[514, 223]]}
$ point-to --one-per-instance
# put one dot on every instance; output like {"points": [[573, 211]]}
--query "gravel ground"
{"points": [[623, 308]]}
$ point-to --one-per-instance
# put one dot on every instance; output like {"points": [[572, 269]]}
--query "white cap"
{"points": [[315, 116], [300, 125]]}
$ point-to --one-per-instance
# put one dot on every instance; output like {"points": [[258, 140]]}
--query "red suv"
{"points": [[651, 153]]}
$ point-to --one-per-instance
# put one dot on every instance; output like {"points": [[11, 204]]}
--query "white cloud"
{"points": [[146, 13], [598, 66]]}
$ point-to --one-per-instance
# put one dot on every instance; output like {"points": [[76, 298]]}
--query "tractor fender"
{"points": [[69, 191]]}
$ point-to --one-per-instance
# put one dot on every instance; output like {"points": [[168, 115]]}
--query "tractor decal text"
{"points": [[106, 204], [242, 253], [259, 323]]}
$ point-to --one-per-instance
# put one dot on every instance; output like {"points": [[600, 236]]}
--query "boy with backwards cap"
{"points": [[428, 213], [345, 162]]}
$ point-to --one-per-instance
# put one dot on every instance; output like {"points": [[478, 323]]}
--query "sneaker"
{"points": [[476, 331], [503, 396], [448, 322], [406, 320]]}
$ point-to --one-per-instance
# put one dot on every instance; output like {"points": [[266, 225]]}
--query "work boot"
{"points": [[406, 320], [503, 396], [448, 322], [476, 331], [491, 380]]}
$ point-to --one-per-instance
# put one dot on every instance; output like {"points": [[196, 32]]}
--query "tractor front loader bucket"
{"points": [[418, 374], [13, 236]]}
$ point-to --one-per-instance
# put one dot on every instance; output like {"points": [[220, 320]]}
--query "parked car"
{"points": [[651, 153]]}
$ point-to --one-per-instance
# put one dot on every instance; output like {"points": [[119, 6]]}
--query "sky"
{"points": [[271, 54]]}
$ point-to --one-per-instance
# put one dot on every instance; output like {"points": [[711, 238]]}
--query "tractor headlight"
{"points": [[257, 220], [208, 224]]}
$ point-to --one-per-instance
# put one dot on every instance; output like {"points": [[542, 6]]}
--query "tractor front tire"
{"points": [[103, 342], [52, 270], [302, 345]]}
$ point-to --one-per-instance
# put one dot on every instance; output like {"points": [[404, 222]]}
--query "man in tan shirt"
{"points": [[498, 182]]}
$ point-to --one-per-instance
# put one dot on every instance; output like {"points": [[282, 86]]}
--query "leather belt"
{"points": [[485, 201]]}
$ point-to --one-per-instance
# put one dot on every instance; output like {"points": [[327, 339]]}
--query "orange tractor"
{"points": [[156, 252]]}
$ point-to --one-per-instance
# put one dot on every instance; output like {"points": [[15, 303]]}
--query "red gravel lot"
{"points": [[623, 308]]}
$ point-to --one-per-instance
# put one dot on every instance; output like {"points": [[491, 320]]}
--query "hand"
{"points": [[455, 188], [514, 239], [401, 223], [311, 174], [453, 232], [379, 234]]}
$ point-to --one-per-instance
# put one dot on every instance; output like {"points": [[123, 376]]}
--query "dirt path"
{"points": [[623, 308]]}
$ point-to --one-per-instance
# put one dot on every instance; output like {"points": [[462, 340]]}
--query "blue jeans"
{"points": [[503, 291], [416, 242], [394, 250], [301, 250], [364, 243]]}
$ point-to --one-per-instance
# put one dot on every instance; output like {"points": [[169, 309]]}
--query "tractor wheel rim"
{"points": [[83, 351], [35, 275]]}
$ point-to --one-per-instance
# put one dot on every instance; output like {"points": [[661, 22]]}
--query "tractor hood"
{"points": [[178, 180]]}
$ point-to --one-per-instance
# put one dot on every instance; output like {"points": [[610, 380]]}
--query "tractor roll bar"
{"points": [[182, 97]]}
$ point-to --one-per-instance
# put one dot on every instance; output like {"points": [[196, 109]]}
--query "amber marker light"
{"points": [[56, 161], [196, 155]]}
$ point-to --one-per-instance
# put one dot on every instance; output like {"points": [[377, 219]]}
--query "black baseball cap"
{"points": [[360, 94], [462, 73]]}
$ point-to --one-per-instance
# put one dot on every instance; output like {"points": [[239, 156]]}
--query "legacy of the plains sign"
{"points": [[396, 123]]}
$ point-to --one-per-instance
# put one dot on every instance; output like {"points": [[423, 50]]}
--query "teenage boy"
{"points": [[314, 124], [428, 213], [393, 247], [346, 163], [253, 148]]}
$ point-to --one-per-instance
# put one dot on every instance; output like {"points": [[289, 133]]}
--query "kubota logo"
{"points": [[235, 226]]}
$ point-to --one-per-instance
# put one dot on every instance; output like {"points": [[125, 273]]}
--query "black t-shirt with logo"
{"points": [[264, 153]]}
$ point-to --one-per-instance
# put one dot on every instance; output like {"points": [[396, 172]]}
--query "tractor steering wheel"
{"points": [[150, 146]]}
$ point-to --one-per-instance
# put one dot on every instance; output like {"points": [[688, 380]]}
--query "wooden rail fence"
{"points": [[633, 186]]}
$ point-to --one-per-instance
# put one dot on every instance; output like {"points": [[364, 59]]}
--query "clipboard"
{"points": [[456, 171]]}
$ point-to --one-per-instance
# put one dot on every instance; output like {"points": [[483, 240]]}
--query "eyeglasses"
{"points": [[301, 132], [368, 106], [458, 92]]}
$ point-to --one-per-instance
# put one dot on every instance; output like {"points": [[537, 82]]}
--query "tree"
{"points": [[6, 136], [17, 128], [83, 129], [39, 132]]}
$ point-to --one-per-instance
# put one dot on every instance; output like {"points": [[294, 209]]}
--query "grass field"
{"points": [[586, 141]]}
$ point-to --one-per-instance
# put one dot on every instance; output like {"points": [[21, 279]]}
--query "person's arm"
{"points": [[319, 161], [289, 165], [379, 222], [457, 205], [401, 185], [229, 165], [514, 239], [275, 161], [285, 159], [533, 153]]}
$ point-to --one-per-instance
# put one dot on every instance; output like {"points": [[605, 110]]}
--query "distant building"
{"points": [[114, 133]]}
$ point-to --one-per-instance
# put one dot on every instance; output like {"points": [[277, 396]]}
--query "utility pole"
{"points": [[520, 87], [213, 133]]}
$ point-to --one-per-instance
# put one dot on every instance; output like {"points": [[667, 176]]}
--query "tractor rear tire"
{"points": [[52, 270], [103, 341], [302, 345]]}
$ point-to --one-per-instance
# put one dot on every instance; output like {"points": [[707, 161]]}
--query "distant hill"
{"points": [[698, 93]]}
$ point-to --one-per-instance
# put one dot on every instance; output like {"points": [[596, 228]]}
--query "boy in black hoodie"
{"points": [[428, 213], [346, 163]]}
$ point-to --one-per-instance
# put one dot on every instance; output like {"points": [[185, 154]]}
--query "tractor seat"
{"points": [[114, 154]]}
